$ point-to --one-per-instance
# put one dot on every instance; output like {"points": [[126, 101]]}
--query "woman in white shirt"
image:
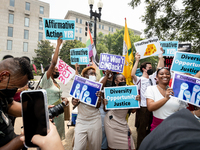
{"points": [[159, 100]]}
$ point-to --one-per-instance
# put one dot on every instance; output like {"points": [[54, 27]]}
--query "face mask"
{"points": [[150, 72], [122, 84], [92, 78], [8, 93], [56, 75]]}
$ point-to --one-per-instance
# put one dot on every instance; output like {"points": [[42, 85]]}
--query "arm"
{"points": [[55, 58], [152, 105], [98, 94], [15, 109], [105, 102], [106, 77], [137, 59], [197, 75], [13, 144], [161, 60], [138, 98], [77, 67]]}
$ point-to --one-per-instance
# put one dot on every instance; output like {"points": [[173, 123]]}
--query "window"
{"points": [[41, 10], [12, 3], [9, 45], [26, 34], [76, 38], [76, 30], [11, 19], [103, 27], [80, 21], [80, 39], [26, 22], [25, 49], [99, 26], [80, 30], [40, 36], [10, 31], [112, 29], [76, 20], [40, 25], [27, 7], [109, 28]]}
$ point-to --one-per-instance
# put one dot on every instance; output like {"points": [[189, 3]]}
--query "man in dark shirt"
{"points": [[14, 74]]}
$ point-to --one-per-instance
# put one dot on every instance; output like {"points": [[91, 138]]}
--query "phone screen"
{"points": [[35, 120]]}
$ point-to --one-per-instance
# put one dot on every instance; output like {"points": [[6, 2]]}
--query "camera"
{"points": [[56, 110]]}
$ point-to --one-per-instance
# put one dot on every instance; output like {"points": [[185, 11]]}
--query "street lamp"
{"points": [[96, 15]]}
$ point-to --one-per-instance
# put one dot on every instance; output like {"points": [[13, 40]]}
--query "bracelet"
{"points": [[196, 116]]}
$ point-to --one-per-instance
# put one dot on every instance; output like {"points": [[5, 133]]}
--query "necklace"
{"points": [[161, 88]]}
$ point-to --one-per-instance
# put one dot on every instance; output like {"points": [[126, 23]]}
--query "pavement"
{"points": [[69, 132]]}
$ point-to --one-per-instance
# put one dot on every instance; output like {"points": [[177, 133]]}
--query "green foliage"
{"points": [[113, 43], [165, 20], [43, 53], [65, 51]]}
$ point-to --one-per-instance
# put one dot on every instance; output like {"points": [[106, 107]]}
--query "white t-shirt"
{"points": [[142, 84], [170, 107]]}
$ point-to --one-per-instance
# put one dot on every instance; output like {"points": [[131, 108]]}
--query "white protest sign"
{"points": [[148, 47], [66, 72]]}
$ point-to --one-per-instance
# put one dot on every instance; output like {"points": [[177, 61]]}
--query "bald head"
{"points": [[17, 67]]}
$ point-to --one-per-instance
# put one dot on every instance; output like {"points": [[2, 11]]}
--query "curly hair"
{"points": [[144, 65]]}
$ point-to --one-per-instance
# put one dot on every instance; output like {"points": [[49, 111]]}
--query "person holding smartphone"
{"points": [[14, 73], [54, 92]]}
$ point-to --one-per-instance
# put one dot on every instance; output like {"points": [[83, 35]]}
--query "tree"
{"points": [[65, 50], [165, 20], [43, 53], [100, 45]]}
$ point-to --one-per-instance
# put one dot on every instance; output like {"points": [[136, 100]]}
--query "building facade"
{"points": [[104, 26], [21, 26]]}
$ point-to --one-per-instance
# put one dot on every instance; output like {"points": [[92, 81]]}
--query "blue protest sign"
{"points": [[169, 47], [186, 63], [55, 28], [80, 56], [85, 90], [138, 72], [186, 88], [114, 63], [122, 97]]}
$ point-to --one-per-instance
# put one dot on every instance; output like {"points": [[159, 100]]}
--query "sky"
{"points": [[113, 11]]}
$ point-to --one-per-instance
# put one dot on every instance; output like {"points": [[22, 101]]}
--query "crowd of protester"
{"points": [[162, 122]]}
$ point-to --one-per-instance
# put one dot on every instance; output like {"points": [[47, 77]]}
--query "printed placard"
{"points": [[66, 72], [169, 47], [186, 88], [85, 90], [122, 97], [80, 56], [55, 28], [114, 63], [148, 47], [186, 63]]}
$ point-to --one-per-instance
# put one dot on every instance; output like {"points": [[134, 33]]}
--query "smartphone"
{"points": [[35, 114]]}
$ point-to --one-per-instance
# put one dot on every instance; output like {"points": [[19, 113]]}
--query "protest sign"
{"points": [[186, 88], [122, 97], [66, 72], [55, 28], [148, 47], [85, 90], [168, 61], [169, 47], [184, 47], [186, 63], [114, 63], [138, 72], [80, 56]]}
